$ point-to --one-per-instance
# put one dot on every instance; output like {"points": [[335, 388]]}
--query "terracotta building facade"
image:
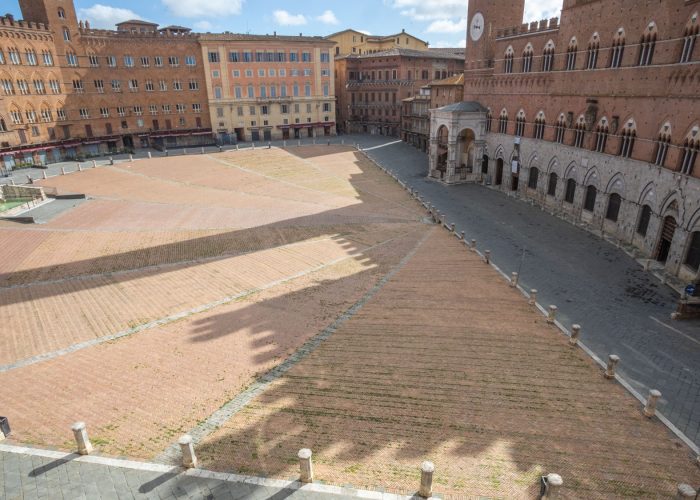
{"points": [[596, 117], [371, 87]]}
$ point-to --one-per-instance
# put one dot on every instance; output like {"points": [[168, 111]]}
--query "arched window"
{"points": [[548, 56], [570, 191], [571, 55], [644, 218], [662, 143], [489, 117], [593, 48], [589, 203], [601, 135], [560, 129], [251, 91], [692, 257], [508, 61], [552, 184], [503, 122], [579, 132], [689, 35], [532, 179], [66, 35], [527, 58], [647, 44], [614, 203], [539, 126], [61, 13], [3, 125], [691, 147], [618, 48], [520, 123], [627, 139]]}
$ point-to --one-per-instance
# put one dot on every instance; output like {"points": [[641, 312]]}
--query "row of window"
{"points": [[25, 88], [690, 146], [269, 91], [47, 115], [266, 109], [38, 87], [644, 57], [14, 57], [394, 75], [372, 97], [267, 56], [272, 72]]}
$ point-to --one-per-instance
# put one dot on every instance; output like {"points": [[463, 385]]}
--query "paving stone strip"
{"points": [[174, 317], [172, 453]]}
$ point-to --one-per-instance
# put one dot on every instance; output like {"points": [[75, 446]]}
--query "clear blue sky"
{"points": [[440, 22]]}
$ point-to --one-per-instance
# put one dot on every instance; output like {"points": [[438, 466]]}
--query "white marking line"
{"points": [[205, 474], [674, 330], [177, 316], [381, 145]]}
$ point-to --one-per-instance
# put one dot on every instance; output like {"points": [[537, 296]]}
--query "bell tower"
{"points": [[483, 19], [58, 15]]}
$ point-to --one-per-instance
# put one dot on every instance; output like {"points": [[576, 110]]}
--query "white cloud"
{"points": [[447, 26], [441, 44], [428, 10], [284, 18], [104, 16], [541, 9], [203, 8], [203, 26], [462, 43], [365, 32], [328, 17]]}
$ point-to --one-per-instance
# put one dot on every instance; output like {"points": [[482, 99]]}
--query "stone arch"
{"points": [[592, 178], [553, 166], [571, 172], [648, 197], [672, 205], [651, 32], [534, 160], [500, 152], [617, 185]]}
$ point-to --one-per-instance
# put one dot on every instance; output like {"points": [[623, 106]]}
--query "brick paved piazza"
{"points": [[157, 308]]}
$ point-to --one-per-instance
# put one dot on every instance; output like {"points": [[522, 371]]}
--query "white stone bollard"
{"points": [[575, 332], [80, 167], [63, 170], [532, 300], [269, 145], [613, 360], [306, 468], [12, 182], [184, 151], [189, 459], [426, 479], [30, 180], [253, 145], [284, 144], [236, 147], [131, 158], [487, 256], [94, 164], [552, 314], [43, 175], [150, 155], [111, 160], [685, 491], [81, 438], [202, 149], [461, 235], [553, 484], [453, 228], [473, 244], [298, 143], [342, 141], [650, 406], [513, 279]]}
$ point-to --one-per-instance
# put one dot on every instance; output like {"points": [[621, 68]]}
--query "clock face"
{"points": [[476, 28]]}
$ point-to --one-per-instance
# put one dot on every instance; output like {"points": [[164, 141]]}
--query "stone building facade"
{"points": [[269, 87], [371, 87], [349, 42], [596, 117]]}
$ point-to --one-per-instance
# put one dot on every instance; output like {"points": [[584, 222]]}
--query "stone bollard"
{"points": [[253, 145], [487, 256], [150, 155], [30, 180], [220, 149], [513, 279], [131, 158], [647, 264], [80, 167], [81, 438], [184, 151], [473, 244], [685, 491], [94, 164], [284, 144], [575, 332], [298, 143], [63, 170], [202, 150], [269, 145], [167, 153], [236, 147], [613, 360], [650, 406], [43, 175], [342, 141], [111, 160], [189, 459], [552, 485], [329, 142], [12, 182], [461, 235], [453, 228], [532, 300], [306, 468], [426, 479], [552, 314]]}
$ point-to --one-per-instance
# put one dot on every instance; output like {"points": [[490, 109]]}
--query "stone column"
{"points": [[613, 360], [452, 147], [306, 469], [81, 438], [432, 164], [189, 459], [426, 479], [650, 406]]}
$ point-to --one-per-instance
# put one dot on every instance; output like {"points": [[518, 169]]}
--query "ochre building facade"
{"points": [[596, 117]]}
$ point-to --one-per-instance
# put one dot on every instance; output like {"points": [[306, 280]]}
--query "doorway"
{"points": [[485, 164], [128, 142], [499, 172], [667, 231]]}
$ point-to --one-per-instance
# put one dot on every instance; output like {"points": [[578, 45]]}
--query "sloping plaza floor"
{"points": [[182, 280]]}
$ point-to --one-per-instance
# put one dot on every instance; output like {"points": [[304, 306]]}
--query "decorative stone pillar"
{"points": [[613, 360], [552, 314], [189, 459], [81, 438], [575, 332], [426, 479], [533, 297], [306, 469], [650, 406]]}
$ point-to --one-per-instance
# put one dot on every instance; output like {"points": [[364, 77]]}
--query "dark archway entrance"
{"points": [[485, 164], [667, 231], [499, 172]]}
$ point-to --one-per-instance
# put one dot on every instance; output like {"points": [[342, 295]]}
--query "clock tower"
{"points": [[484, 17]]}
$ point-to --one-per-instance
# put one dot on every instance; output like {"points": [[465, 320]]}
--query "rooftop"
{"points": [[396, 51]]}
